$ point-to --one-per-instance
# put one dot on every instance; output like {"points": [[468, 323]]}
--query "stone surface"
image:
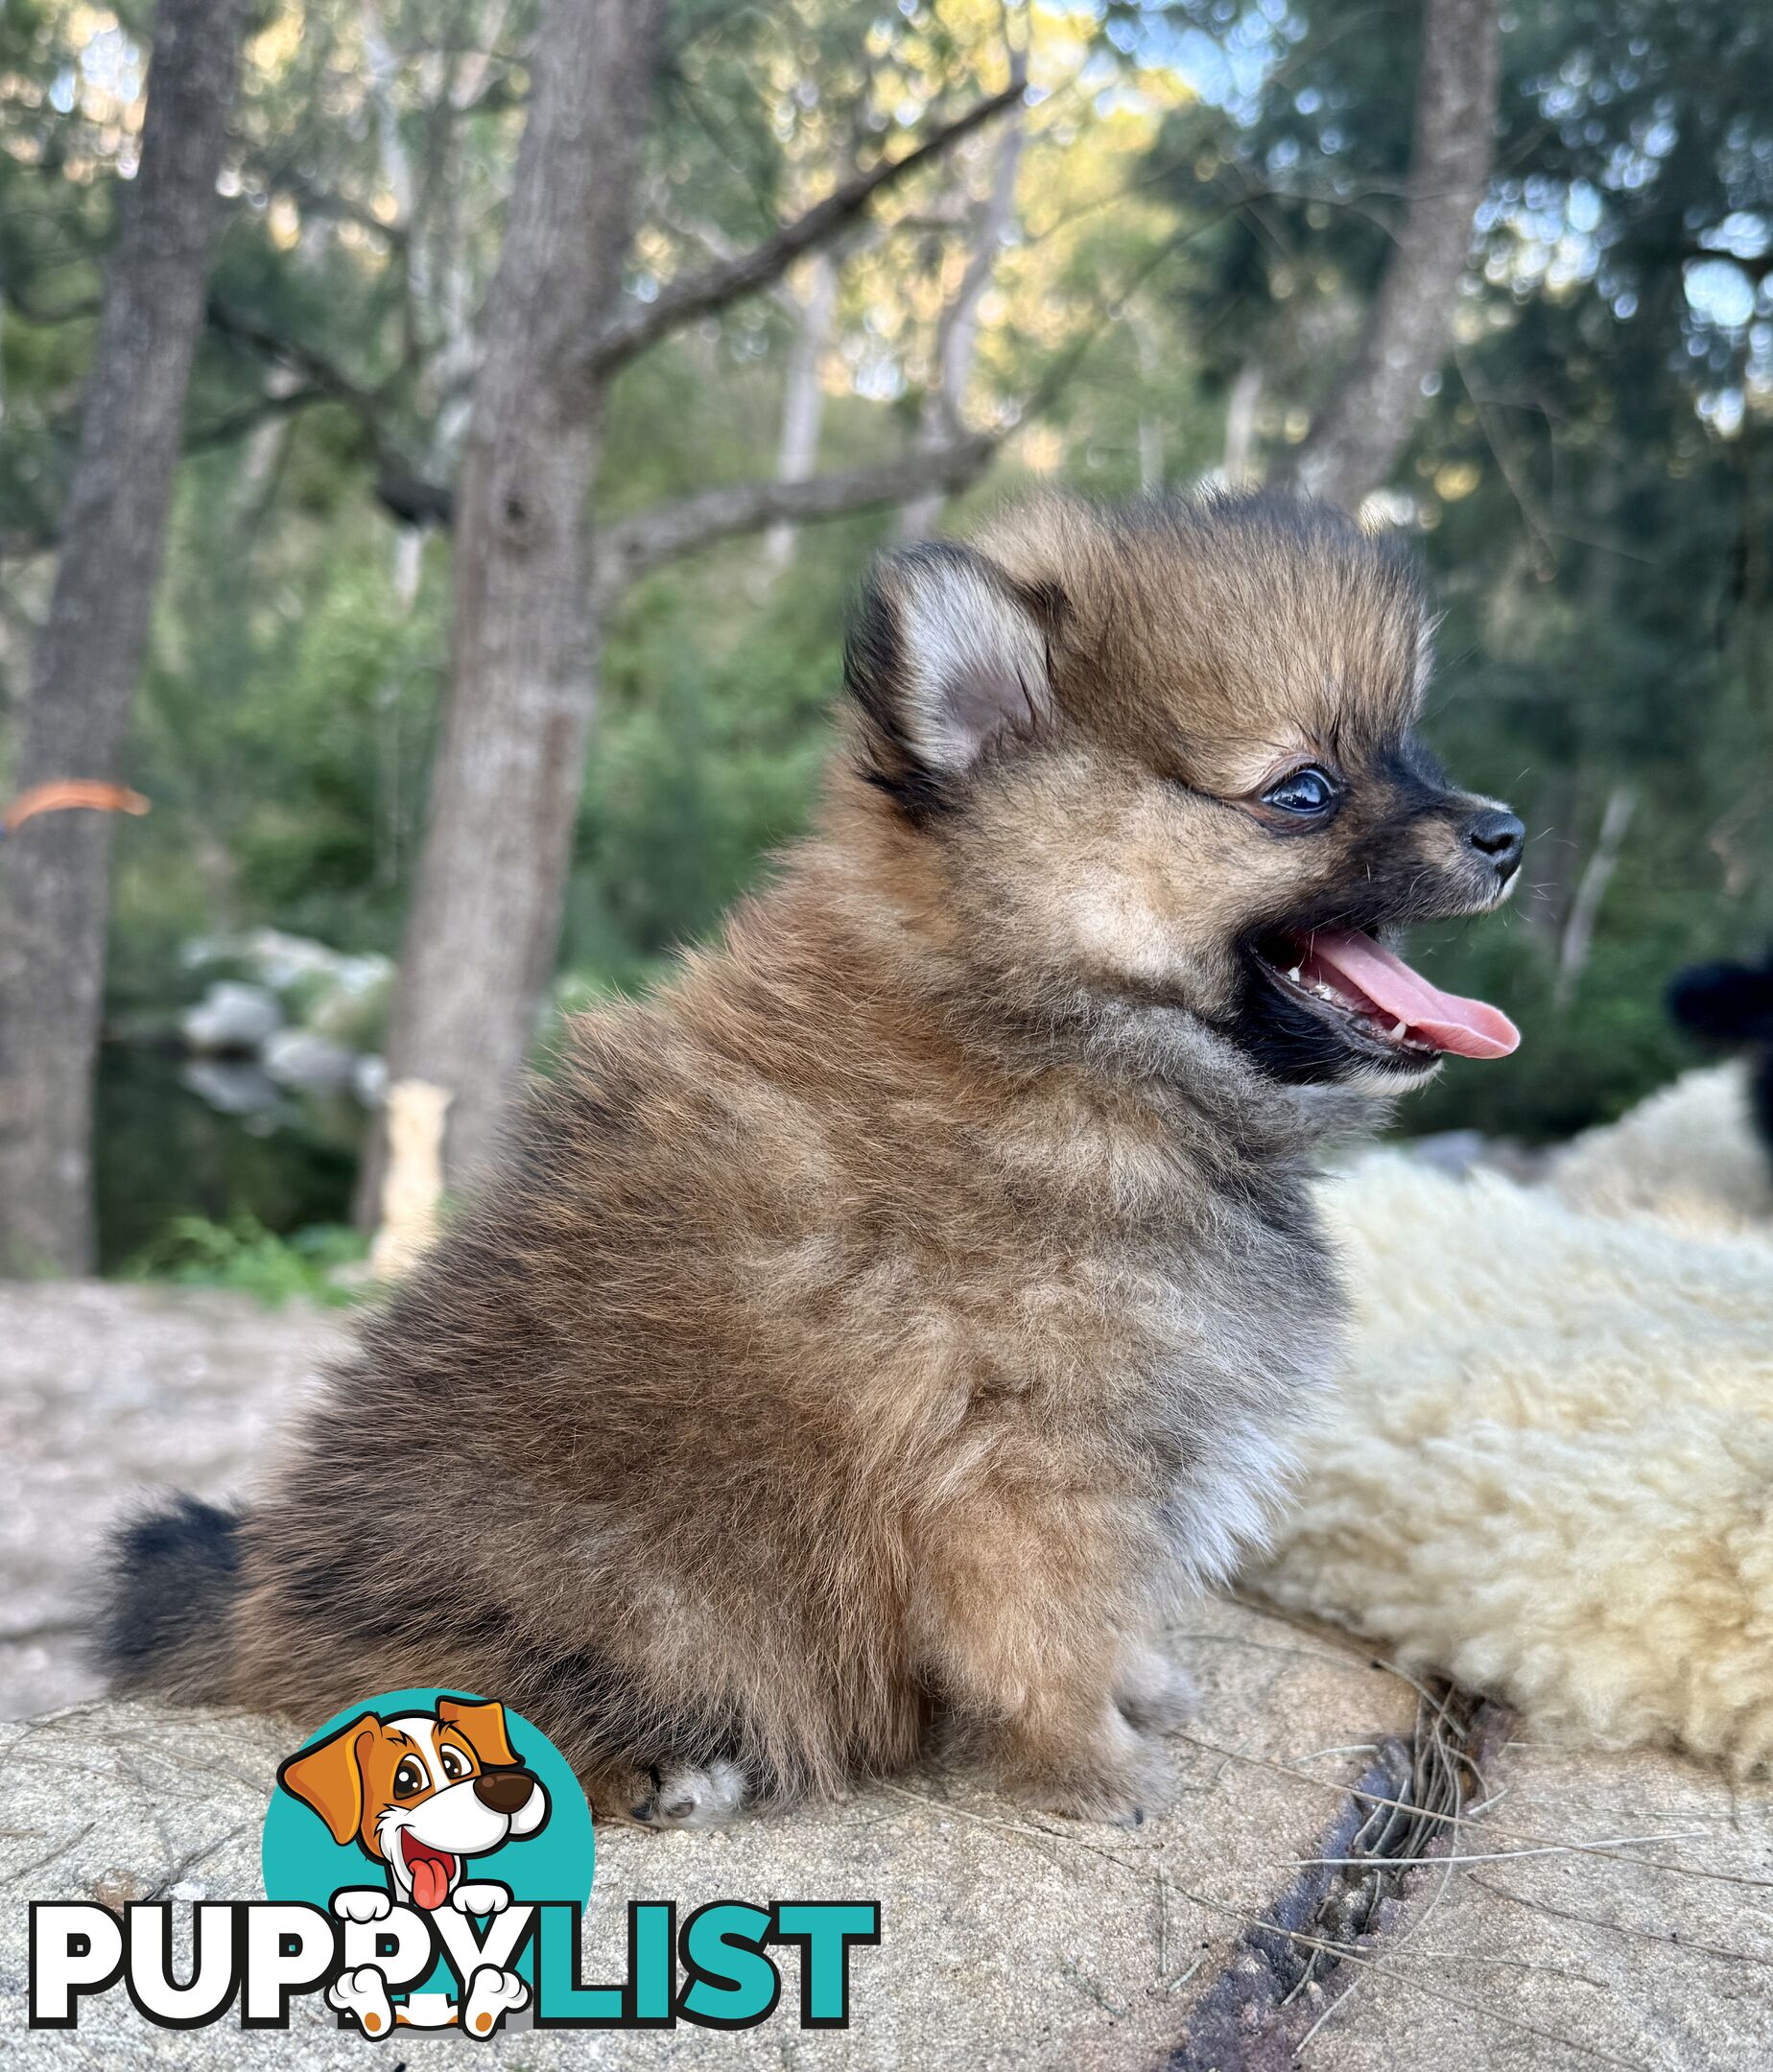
{"points": [[107, 1393], [1010, 1939], [1013, 1940], [231, 1017], [1627, 1962]]}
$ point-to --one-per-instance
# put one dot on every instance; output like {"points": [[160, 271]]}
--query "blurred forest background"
{"points": [[1155, 265]]}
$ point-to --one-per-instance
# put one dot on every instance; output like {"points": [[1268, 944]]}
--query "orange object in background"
{"points": [[61, 792]]}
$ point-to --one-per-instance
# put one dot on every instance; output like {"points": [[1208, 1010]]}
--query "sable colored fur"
{"points": [[869, 1334]]}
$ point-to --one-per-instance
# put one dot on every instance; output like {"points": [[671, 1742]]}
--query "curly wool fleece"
{"points": [[1688, 1156], [1550, 1470]]}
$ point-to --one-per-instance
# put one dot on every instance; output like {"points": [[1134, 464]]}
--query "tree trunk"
{"points": [[1365, 424], [1585, 908], [957, 336], [1150, 426], [485, 917], [803, 395], [1241, 408], [89, 655]]}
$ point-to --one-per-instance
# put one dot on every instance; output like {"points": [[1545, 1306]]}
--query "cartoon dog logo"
{"points": [[422, 1794]]}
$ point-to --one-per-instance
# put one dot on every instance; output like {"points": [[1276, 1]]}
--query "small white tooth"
{"points": [[1402, 1029], [1294, 975], [1322, 991]]}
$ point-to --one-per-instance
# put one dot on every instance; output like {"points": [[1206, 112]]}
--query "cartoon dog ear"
{"points": [[329, 1777], [484, 1727], [947, 656]]}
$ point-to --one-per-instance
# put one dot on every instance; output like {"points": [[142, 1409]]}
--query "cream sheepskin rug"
{"points": [[1688, 1156], [1550, 1470]]}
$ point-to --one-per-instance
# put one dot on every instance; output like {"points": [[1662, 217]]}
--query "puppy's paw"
{"points": [[480, 1898], [363, 1995], [492, 1995], [1121, 1779], [1155, 1694], [683, 1795], [1097, 1795], [362, 1903]]}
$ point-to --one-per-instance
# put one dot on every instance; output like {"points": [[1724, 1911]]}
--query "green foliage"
{"points": [[245, 1258], [161, 1151], [709, 758], [1208, 193], [1591, 476], [285, 723]]}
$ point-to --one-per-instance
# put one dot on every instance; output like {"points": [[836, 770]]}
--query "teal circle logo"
{"points": [[420, 1817]]}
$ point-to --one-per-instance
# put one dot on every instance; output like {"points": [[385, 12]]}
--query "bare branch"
{"points": [[317, 201], [631, 547], [747, 272], [224, 430], [803, 394], [957, 331], [410, 497], [1363, 428], [1585, 908], [319, 371], [399, 487], [717, 245]]}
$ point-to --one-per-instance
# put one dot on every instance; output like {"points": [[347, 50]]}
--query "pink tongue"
{"points": [[1467, 1027], [429, 1881]]}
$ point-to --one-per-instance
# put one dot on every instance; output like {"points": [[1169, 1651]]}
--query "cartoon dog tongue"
{"points": [[1467, 1027], [431, 1870]]}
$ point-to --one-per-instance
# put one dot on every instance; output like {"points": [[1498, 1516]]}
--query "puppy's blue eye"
{"points": [[1307, 792]]}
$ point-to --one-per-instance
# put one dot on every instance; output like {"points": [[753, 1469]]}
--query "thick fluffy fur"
{"points": [[875, 1327], [1549, 1472]]}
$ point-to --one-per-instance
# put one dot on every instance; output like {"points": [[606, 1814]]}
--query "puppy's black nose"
{"points": [[504, 1790], [1499, 835]]}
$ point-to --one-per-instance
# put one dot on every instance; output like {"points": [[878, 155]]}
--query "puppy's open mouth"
{"points": [[432, 1871], [1377, 1002]]}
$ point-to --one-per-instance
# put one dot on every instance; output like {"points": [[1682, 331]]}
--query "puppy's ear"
{"points": [[330, 1777], [484, 1727], [947, 657]]}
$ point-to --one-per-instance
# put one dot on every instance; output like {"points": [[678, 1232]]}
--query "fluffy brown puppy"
{"points": [[874, 1328]]}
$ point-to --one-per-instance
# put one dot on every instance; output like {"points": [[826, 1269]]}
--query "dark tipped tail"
{"points": [[171, 1577]]}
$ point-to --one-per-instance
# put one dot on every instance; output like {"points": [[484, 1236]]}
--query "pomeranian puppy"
{"points": [[870, 1334]]}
